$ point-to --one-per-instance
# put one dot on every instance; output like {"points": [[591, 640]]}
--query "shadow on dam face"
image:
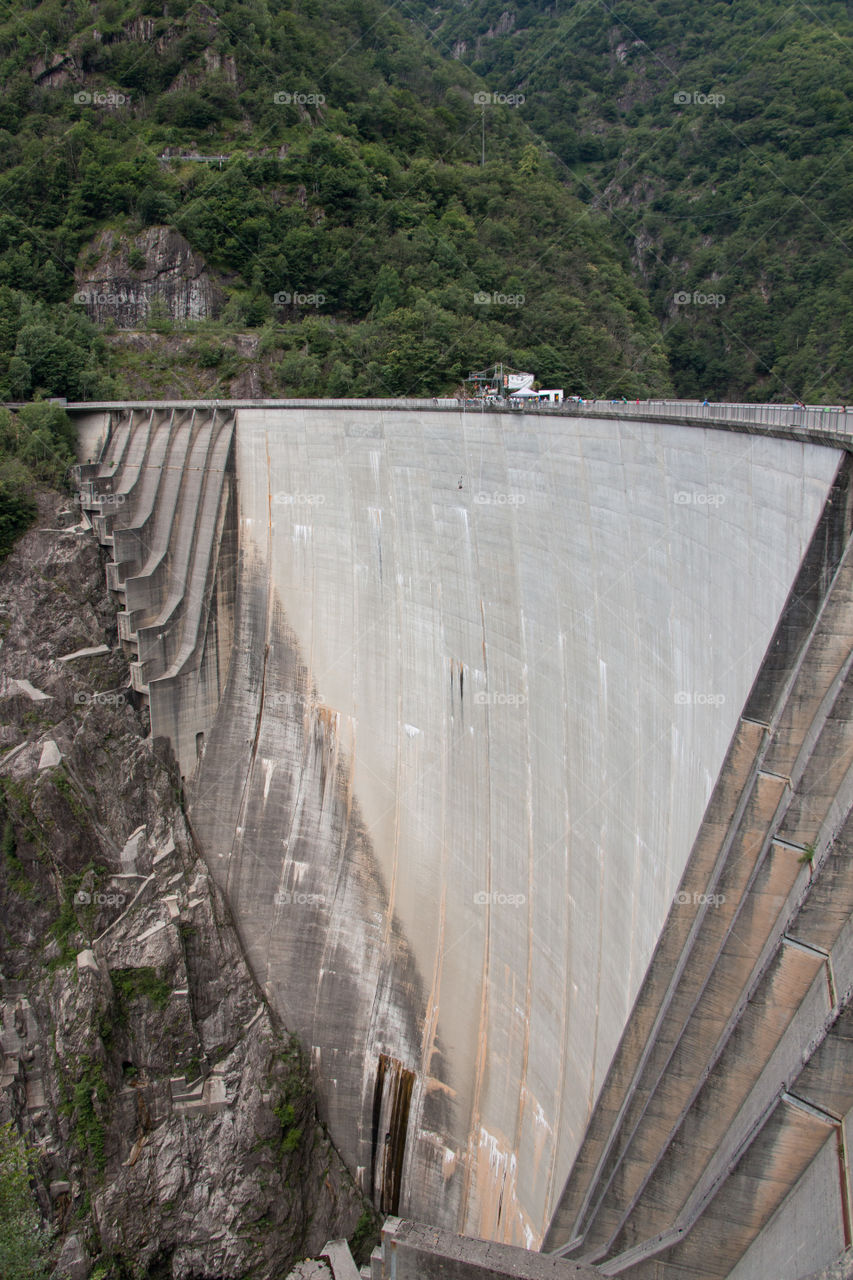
{"points": [[465, 744]]}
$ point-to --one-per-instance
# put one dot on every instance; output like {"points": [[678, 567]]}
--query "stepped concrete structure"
{"points": [[519, 743]]}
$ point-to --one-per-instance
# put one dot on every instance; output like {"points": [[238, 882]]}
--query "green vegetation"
{"points": [[17, 506], [63, 930], [352, 222], [716, 138], [66, 789], [661, 198], [36, 445], [23, 1240], [295, 1096], [77, 913], [131, 984], [88, 1096], [46, 347], [20, 829], [18, 881], [292, 1135], [365, 1236]]}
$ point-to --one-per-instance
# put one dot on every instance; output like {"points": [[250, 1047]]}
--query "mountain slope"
{"points": [[717, 138], [349, 215]]}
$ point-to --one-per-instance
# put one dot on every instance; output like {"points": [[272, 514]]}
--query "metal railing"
{"points": [[831, 420], [835, 418]]}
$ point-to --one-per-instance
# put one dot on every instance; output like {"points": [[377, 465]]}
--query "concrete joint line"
{"points": [[804, 946], [775, 939], [818, 1113], [593, 1192], [808, 638], [565, 1249], [698, 1202]]}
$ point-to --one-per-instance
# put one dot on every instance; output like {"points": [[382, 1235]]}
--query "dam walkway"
{"points": [[831, 424]]}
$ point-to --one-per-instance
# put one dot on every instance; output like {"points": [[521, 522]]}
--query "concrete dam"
{"points": [[514, 740]]}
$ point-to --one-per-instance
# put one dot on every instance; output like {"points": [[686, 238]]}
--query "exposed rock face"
{"points": [[176, 1124], [119, 278], [504, 25]]}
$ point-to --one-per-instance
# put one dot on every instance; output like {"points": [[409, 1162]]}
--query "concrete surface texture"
{"points": [[415, 1251], [718, 1146], [161, 499], [485, 671]]}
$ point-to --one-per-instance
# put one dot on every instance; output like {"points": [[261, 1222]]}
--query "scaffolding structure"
{"points": [[499, 382]]}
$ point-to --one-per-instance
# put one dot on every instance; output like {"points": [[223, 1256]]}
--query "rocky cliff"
{"points": [[176, 1128], [121, 277]]}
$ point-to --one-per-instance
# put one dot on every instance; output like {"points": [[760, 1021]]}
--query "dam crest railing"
{"points": [[832, 423]]}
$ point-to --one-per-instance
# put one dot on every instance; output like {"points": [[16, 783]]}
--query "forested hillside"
{"points": [[625, 199], [716, 136], [350, 222]]}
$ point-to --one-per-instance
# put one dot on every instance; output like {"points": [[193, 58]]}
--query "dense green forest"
{"points": [[662, 191], [36, 447], [353, 175], [716, 137]]}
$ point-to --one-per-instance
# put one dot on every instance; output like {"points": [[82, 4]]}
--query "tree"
{"points": [[159, 318], [529, 162], [23, 1240], [17, 506], [46, 439]]}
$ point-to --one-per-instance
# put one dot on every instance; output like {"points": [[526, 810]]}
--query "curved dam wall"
{"points": [[485, 671], [450, 694]]}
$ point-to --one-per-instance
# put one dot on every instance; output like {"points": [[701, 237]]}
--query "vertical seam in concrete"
{"points": [[844, 1178], [591, 1092], [474, 1128]]}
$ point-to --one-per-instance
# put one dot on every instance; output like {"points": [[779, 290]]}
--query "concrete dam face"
{"points": [[450, 694]]}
